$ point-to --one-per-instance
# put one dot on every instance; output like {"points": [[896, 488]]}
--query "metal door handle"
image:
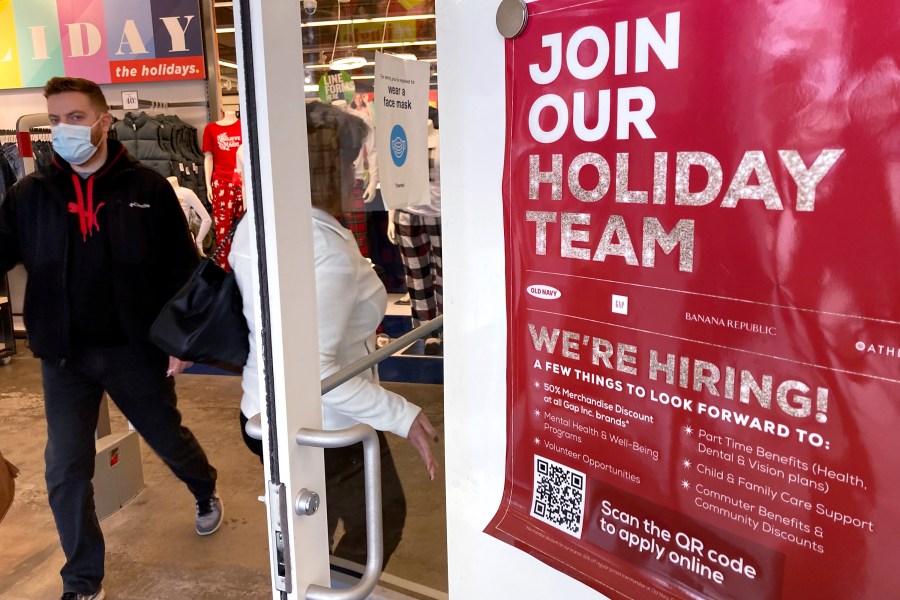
{"points": [[374, 528], [253, 428]]}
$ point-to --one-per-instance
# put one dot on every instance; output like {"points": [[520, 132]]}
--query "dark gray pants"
{"points": [[135, 378]]}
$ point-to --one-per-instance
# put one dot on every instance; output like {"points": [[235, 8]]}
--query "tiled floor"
{"points": [[152, 550]]}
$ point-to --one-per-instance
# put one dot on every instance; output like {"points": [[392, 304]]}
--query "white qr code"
{"points": [[558, 496]]}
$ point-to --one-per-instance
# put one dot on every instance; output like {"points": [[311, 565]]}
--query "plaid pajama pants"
{"points": [[227, 205], [356, 218], [420, 250]]}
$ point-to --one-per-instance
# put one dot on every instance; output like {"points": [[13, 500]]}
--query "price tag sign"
{"points": [[130, 100]]}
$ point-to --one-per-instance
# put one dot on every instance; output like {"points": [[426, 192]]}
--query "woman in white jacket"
{"points": [[351, 303]]}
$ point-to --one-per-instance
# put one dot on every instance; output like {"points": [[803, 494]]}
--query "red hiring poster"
{"points": [[702, 206]]}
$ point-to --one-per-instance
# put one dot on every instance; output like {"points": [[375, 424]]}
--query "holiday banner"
{"points": [[107, 41], [702, 210]]}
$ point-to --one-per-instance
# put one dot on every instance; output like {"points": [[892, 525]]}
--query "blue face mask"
{"points": [[73, 142]]}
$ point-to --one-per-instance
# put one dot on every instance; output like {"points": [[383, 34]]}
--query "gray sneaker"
{"points": [[98, 595], [209, 515]]}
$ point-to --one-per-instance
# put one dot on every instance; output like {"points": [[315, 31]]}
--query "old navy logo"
{"points": [[138, 205], [544, 292]]}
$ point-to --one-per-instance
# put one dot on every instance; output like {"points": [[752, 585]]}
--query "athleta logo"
{"points": [[869, 348], [544, 292]]}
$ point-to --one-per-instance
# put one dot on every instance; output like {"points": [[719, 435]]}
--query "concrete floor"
{"points": [[152, 550]]}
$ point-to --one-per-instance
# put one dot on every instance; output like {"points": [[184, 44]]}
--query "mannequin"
{"points": [[365, 182], [220, 143], [190, 203], [417, 231], [239, 168]]}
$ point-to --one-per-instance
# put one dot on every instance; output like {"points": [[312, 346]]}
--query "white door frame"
{"points": [[277, 179]]}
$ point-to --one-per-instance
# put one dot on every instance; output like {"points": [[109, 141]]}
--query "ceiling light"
{"points": [[230, 65], [397, 44], [311, 88], [363, 77], [372, 20], [224, 29], [327, 66], [347, 62]]}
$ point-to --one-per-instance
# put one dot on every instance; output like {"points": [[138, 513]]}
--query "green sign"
{"points": [[336, 85]]}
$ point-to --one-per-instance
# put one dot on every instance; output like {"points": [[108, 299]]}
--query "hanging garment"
{"points": [[141, 136], [7, 177], [43, 156], [185, 141], [14, 159], [183, 168], [180, 139]]}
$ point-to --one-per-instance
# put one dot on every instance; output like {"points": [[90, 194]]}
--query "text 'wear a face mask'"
{"points": [[73, 142]]}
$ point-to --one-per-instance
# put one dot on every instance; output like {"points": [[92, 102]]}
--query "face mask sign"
{"points": [[73, 142]]}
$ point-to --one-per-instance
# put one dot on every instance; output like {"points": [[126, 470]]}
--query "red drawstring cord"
{"points": [[87, 216]]}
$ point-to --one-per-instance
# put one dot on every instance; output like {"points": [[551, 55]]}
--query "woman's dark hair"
{"points": [[334, 139]]}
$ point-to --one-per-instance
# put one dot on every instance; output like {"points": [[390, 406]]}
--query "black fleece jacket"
{"points": [[150, 245]]}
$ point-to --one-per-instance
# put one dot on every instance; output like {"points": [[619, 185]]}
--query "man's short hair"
{"points": [[58, 85]]}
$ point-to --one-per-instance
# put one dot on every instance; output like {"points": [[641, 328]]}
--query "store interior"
{"points": [[352, 30], [152, 550]]}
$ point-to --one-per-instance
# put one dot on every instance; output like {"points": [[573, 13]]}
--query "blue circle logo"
{"points": [[399, 145]]}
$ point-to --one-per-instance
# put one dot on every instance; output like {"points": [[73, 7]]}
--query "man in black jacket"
{"points": [[105, 244]]}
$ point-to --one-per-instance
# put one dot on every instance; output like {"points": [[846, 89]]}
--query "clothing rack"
{"points": [[157, 105], [23, 137], [22, 133], [7, 327], [7, 334]]}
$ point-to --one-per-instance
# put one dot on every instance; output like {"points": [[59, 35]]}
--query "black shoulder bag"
{"points": [[204, 322]]}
